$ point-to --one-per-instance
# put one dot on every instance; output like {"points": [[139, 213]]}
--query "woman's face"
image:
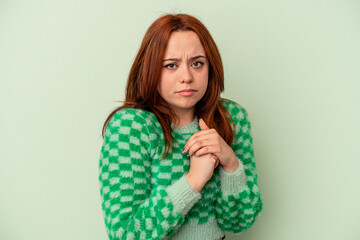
{"points": [[185, 72]]}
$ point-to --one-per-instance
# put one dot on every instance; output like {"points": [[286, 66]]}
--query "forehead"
{"points": [[184, 42]]}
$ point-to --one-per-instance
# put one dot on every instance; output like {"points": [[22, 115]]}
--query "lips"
{"points": [[186, 92]]}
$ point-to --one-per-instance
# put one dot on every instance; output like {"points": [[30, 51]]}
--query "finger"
{"points": [[198, 141], [200, 136], [201, 144], [196, 148], [203, 125], [213, 149], [217, 161]]}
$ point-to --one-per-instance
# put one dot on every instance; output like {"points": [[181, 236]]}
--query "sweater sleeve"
{"points": [[132, 207], [239, 201]]}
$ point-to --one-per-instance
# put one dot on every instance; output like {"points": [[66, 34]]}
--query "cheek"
{"points": [[204, 82], [164, 84], [205, 78], [161, 89]]}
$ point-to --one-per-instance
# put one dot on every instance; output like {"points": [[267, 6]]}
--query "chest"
{"points": [[165, 171]]}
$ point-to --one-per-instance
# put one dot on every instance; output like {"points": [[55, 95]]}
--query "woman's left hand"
{"points": [[209, 141]]}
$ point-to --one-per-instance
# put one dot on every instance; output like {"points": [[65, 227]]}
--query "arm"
{"points": [[133, 208], [239, 202]]}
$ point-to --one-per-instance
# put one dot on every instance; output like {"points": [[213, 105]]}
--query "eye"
{"points": [[198, 64], [170, 66]]}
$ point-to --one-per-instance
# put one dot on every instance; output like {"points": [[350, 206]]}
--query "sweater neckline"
{"points": [[189, 128]]}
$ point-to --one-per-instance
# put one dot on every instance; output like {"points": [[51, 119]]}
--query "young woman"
{"points": [[177, 161]]}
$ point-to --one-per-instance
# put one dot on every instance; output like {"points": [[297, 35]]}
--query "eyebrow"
{"points": [[177, 59]]}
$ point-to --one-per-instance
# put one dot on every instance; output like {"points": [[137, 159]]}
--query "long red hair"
{"points": [[144, 77]]}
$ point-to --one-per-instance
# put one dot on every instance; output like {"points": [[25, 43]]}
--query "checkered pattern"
{"points": [[137, 186], [238, 211]]}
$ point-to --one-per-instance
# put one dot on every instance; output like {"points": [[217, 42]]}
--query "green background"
{"points": [[294, 65]]}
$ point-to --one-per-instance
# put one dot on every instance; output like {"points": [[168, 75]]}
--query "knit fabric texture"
{"points": [[145, 196]]}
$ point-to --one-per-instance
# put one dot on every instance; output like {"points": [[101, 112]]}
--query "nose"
{"points": [[186, 75]]}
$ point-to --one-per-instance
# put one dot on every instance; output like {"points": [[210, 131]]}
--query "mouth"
{"points": [[186, 92]]}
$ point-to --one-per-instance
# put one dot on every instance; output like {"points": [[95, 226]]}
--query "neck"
{"points": [[184, 117]]}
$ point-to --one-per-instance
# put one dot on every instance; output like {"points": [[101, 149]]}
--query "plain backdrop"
{"points": [[294, 65]]}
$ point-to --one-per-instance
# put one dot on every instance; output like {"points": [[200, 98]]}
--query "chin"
{"points": [[187, 105]]}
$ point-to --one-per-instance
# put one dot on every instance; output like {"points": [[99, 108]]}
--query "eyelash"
{"points": [[200, 62], [168, 65], [171, 65]]}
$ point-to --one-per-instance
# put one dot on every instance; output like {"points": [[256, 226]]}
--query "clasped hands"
{"points": [[207, 149], [208, 141]]}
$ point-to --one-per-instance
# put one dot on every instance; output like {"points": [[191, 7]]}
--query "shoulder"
{"points": [[236, 111], [135, 126], [131, 118], [134, 114], [239, 117]]}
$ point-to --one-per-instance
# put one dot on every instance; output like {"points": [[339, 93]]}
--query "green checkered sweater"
{"points": [[146, 197]]}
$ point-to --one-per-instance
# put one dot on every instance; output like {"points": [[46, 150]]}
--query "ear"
{"points": [[203, 125]]}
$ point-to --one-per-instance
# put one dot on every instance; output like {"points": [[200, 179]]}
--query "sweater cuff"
{"points": [[233, 182], [182, 195]]}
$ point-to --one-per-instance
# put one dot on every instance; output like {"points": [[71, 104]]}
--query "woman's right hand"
{"points": [[201, 170]]}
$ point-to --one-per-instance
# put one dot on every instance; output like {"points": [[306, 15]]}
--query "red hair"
{"points": [[144, 77]]}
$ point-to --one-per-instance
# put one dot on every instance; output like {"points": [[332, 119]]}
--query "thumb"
{"points": [[203, 125]]}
